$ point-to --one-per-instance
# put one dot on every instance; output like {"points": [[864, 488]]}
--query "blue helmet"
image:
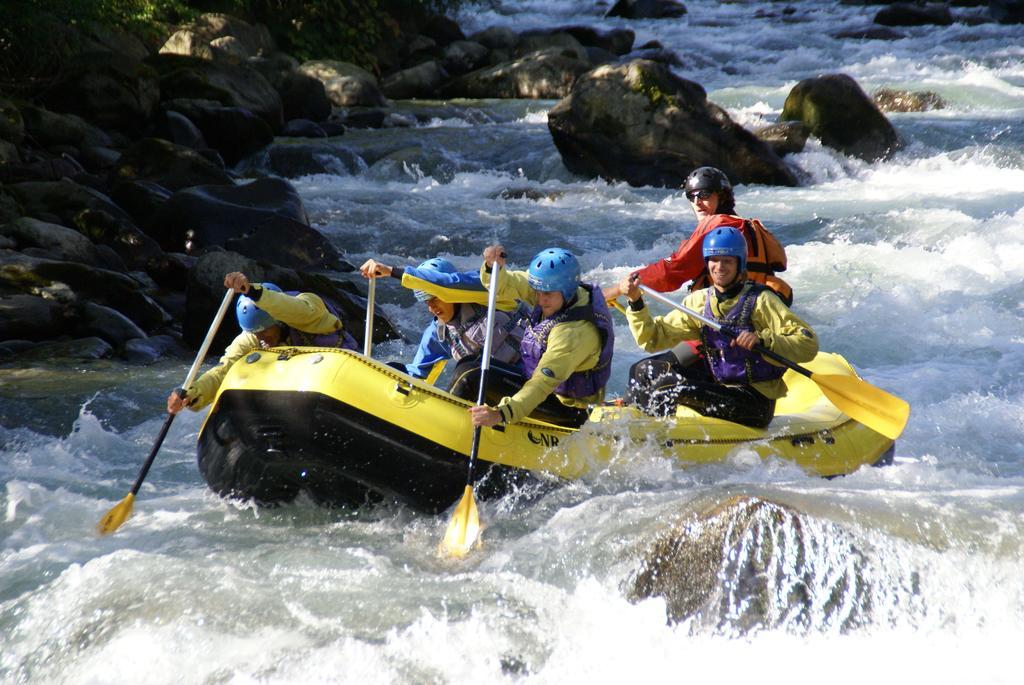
{"points": [[436, 264], [251, 318], [726, 241], [555, 269]]}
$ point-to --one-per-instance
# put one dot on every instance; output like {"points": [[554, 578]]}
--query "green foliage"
{"points": [[348, 30], [38, 36]]}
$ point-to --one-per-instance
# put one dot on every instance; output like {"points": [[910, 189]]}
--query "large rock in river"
{"points": [[262, 220], [640, 123], [747, 564], [842, 116]]}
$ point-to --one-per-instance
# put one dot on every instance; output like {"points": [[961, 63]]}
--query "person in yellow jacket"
{"points": [[568, 344], [268, 317], [733, 382]]}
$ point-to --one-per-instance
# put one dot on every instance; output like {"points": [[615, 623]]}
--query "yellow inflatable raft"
{"points": [[347, 429]]}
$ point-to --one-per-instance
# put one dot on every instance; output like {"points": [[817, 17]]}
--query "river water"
{"points": [[912, 268]]}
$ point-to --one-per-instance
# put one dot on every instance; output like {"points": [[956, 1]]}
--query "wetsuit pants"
{"points": [[658, 384], [505, 380]]}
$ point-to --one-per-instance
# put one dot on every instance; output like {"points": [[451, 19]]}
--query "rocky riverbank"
{"points": [[125, 192]]}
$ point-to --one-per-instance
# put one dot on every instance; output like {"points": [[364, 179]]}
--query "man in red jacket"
{"points": [[710, 193]]}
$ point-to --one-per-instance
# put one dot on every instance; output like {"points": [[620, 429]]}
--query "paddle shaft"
{"points": [[203, 349], [371, 299], [485, 364], [655, 295]]}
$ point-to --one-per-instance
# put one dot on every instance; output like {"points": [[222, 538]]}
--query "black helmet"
{"points": [[706, 178]]}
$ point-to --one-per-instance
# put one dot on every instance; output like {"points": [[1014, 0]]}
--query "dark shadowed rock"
{"points": [[86, 349], [234, 132], [12, 126], [32, 317], [421, 81], [303, 128], [540, 75], [286, 242], [462, 56], [107, 323], [615, 41], [658, 54], [140, 199], [180, 130], [166, 164], [149, 349], [59, 242], [442, 30], [61, 201], [108, 89], [1007, 11], [641, 123], [496, 37], [294, 160], [50, 128], [647, 9], [555, 43], [73, 283], [304, 97], [53, 169], [907, 14], [231, 85], [841, 116], [135, 248], [264, 219]]}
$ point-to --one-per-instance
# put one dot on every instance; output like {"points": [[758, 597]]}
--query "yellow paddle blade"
{"points": [[464, 528], [865, 403], [116, 516]]}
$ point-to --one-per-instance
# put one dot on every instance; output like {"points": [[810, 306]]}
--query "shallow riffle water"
{"points": [[912, 268]]}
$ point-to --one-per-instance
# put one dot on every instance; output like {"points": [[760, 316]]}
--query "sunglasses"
{"points": [[699, 194]]}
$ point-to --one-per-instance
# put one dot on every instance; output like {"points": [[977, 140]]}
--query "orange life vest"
{"points": [[765, 257]]}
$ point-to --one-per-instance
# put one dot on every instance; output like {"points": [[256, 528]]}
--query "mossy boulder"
{"points": [[640, 123], [842, 116]]}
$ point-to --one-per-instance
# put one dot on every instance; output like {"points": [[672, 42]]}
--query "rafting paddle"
{"points": [[858, 399], [464, 528], [120, 513]]}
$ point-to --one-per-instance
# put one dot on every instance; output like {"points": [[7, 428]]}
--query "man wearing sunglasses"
{"points": [[710, 194]]}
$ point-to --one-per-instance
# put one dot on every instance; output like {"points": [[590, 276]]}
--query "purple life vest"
{"points": [[465, 333], [731, 364], [580, 383], [339, 338]]}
